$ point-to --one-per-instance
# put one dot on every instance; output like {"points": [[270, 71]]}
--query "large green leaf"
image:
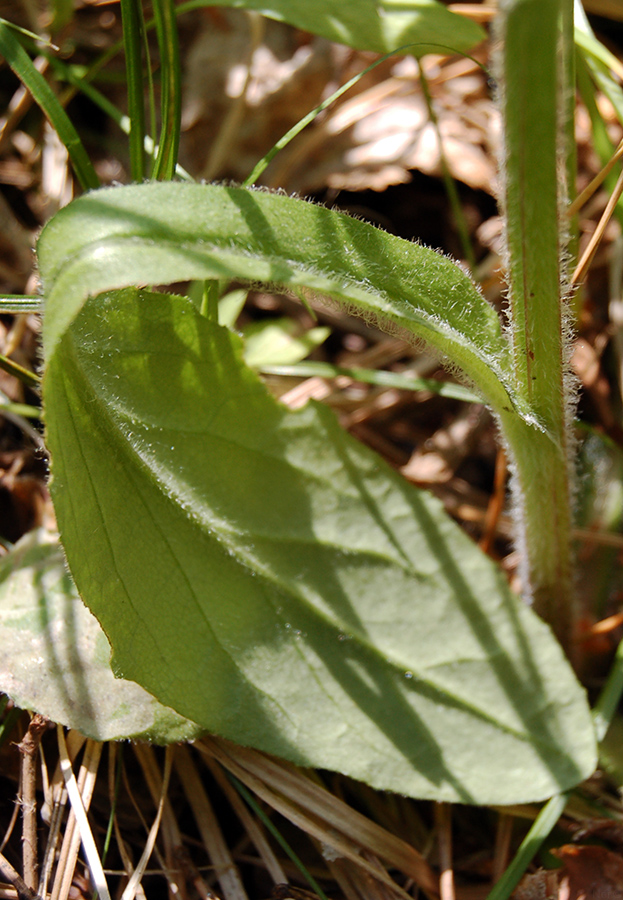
{"points": [[56, 659], [378, 25], [271, 579], [161, 233]]}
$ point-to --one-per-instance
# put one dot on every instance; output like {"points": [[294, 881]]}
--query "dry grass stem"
{"points": [[252, 828], [593, 244], [52, 813], [320, 814], [169, 828], [20, 103], [595, 182], [496, 503], [22, 891], [207, 822], [126, 860], [133, 884], [80, 793]]}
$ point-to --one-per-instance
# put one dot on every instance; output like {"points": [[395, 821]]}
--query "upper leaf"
{"points": [[381, 26], [274, 581], [167, 232]]}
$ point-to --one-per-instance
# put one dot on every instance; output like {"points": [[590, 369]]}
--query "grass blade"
{"points": [[20, 372], [375, 376], [268, 824], [306, 120], [170, 99], [132, 20], [20, 303], [610, 696], [22, 65], [541, 828], [82, 83]]}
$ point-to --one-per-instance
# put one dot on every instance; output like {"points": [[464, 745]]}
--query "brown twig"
{"points": [[503, 837], [443, 821], [496, 503], [29, 748], [9, 874]]}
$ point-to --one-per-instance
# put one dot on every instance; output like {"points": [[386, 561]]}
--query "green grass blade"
{"points": [[308, 119], [375, 376], [541, 828], [13, 368], [81, 83], [588, 80], [601, 63], [610, 695], [270, 827], [18, 303], [22, 65], [63, 12], [170, 98], [24, 410], [132, 20], [41, 41], [9, 723]]}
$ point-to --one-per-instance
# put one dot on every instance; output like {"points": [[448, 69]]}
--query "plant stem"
{"points": [[543, 513], [534, 110]]}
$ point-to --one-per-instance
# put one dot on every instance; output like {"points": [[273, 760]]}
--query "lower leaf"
{"points": [[274, 581]]}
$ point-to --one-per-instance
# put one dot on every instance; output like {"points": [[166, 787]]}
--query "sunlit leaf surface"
{"points": [[271, 579]]}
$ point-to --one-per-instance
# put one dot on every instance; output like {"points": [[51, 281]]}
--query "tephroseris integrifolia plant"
{"points": [[534, 74]]}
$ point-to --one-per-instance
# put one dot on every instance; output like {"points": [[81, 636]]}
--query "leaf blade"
{"points": [[160, 233], [279, 586], [367, 25]]}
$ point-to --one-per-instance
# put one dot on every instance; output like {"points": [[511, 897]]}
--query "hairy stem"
{"points": [[534, 104]]}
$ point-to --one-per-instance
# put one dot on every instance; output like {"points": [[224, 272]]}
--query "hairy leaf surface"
{"points": [[166, 232], [273, 580]]}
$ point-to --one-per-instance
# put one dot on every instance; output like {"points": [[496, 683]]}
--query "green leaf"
{"points": [[162, 233], [381, 26], [274, 581], [601, 63], [274, 342], [230, 306], [56, 659]]}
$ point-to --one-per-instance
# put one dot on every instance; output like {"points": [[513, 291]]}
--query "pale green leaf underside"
{"points": [[378, 25], [56, 659], [167, 232], [278, 342], [271, 579]]}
